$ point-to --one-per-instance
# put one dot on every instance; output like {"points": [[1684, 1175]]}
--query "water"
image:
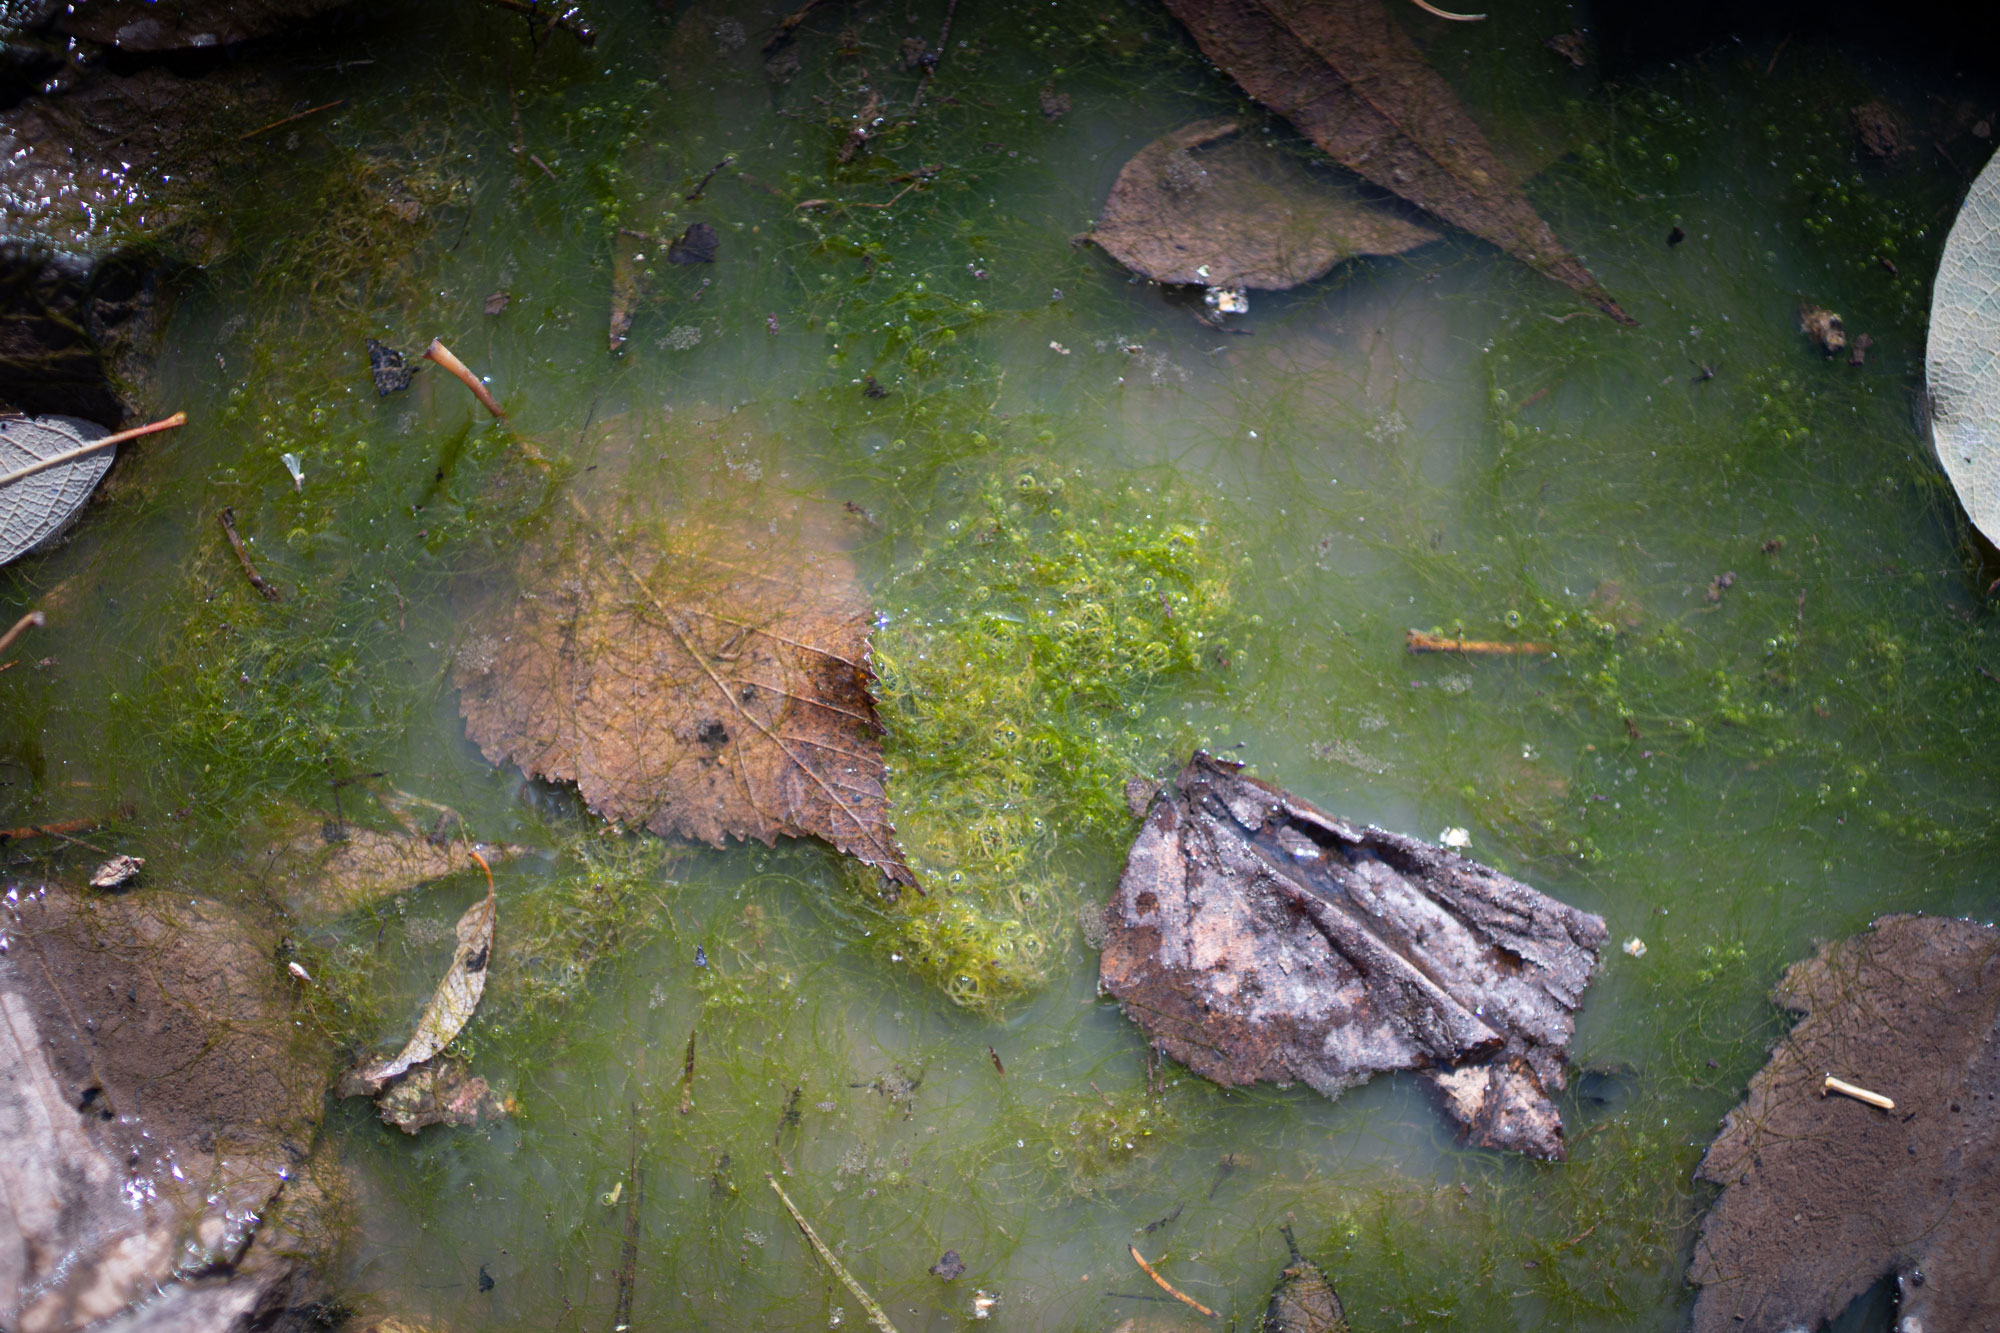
{"points": [[1431, 442]]}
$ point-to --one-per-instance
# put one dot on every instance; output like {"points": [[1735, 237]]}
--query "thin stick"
{"points": [[547, 170], [1167, 1286], [1435, 12], [628, 1254], [60, 829], [687, 1075], [257, 581], [34, 619], [930, 70], [875, 1315], [713, 172], [441, 354], [71, 455], [788, 24], [569, 20], [1833, 1084], [1420, 642], [311, 111]]}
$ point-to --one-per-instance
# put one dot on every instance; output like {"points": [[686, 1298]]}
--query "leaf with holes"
{"points": [[35, 509], [701, 679]]}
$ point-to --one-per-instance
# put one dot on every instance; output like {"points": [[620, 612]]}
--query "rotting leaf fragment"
{"points": [[1825, 1195], [450, 1006], [1256, 938], [706, 681]]}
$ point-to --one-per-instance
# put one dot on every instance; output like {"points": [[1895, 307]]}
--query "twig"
{"points": [[628, 1255], [59, 829], [860, 1293], [930, 69], [1770, 68], [1167, 1286], [788, 24], [257, 581], [547, 170], [310, 111], [1420, 642], [1435, 12], [439, 353], [569, 20], [687, 1075], [696, 193], [34, 619], [71, 455], [520, 138], [1833, 1084]]}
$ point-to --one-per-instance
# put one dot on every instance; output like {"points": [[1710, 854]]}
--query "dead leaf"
{"points": [[1354, 82], [119, 871], [385, 366], [497, 302], [1825, 1195], [1208, 205], [450, 1006], [1254, 937], [322, 868], [444, 1093], [40, 506], [710, 682]]}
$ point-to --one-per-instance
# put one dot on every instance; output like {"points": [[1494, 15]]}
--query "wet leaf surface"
{"points": [[1963, 378], [36, 509], [444, 1093], [709, 681], [1255, 938], [1825, 1195], [450, 1007], [1207, 204], [323, 867], [1348, 75]]}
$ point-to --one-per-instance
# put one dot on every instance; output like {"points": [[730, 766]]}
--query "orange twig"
{"points": [[71, 455], [34, 619], [474, 853], [1420, 642], [309, 111], [441, 354], [1167, 1286]]}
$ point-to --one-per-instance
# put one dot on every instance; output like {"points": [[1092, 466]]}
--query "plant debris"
{"points": [[1879, 129], [264, 586], [1417, 641], [497, 302], [1208, 205], [385, 364], [1960, 373], [1348, 75], [47, 478], [1572, 46], [696, 245], [1823, 327], [1165, 1285], [442, 355], [450, 1006], [713, 686], [950, 1267], [321, 868], [1255, 938], [444, 1093], [1825, 1195], [831, 1260], [119, 871], [1304, 1300]]}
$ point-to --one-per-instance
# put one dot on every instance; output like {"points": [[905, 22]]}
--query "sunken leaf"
{"points": [[1354, 82], [450, 1006], [1959, 361], [710, 682], [1256, 938], [1206, 204]]}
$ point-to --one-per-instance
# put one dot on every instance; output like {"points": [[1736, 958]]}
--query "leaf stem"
{"points": [[71, 455]]}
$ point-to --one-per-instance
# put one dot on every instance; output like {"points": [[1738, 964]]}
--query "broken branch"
{"points": [[71, 455], [860, 1293], [1833, 1084], [257, 581], [34, 619], [1167, 1286], [1420, 642], [440, 354]]}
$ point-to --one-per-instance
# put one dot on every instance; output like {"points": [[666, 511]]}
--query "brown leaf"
{"points": [[711, 683], [450, 1006], [1206, 204], [321, 868], [1826, 1195], [1256, 938], [445, 1093], [1354, 82]]}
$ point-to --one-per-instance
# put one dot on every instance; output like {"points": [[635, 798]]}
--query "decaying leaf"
{"points": [[1353, 81], [321, 867], [450, 1006], [1963, 375], [386, 367], [1207, 204], [444, 1093], [116, 873], [1825, 1195], [35, 510], [708, 682], [1256, 938], [1304, 1300]]}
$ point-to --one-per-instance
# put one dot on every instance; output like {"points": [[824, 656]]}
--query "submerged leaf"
{"points": [[712, 683], [1826, 1195], [1960, 363], [1206, 204], [1347, 75], [1256, 938], [36, 509], [450, 1006]]}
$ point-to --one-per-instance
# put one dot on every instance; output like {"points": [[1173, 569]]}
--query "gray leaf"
{"points": [[1962, 362], [36, 509]]}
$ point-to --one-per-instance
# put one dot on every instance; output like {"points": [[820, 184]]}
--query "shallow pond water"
{"points": [[1727, 770]]}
